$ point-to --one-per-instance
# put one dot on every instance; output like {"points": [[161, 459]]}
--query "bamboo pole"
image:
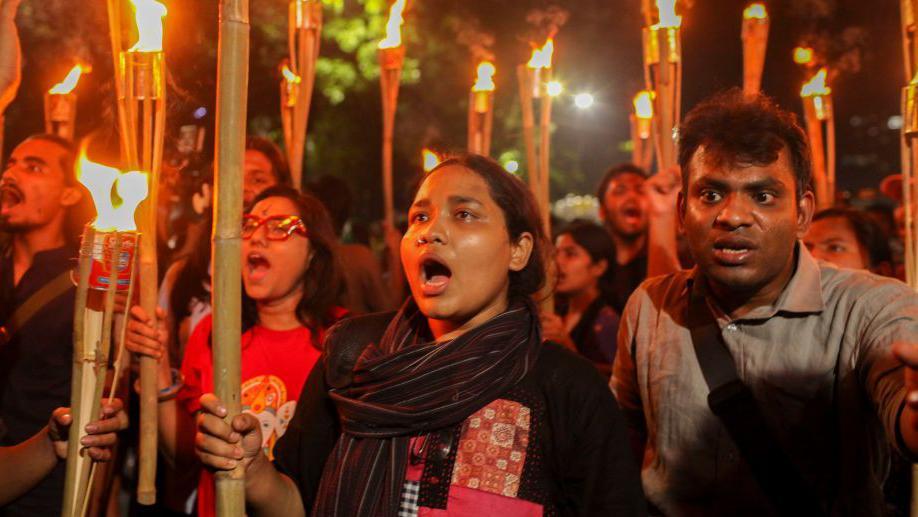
{"points": [[480, 124], [663, 76], [754, 35], [820, 128], [232, 96], [526, 79]]}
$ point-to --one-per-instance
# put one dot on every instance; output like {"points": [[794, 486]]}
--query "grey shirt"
{"points": [[819, 364]]}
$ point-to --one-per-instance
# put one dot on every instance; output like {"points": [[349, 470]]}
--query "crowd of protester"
{"points": [[716, 346]]}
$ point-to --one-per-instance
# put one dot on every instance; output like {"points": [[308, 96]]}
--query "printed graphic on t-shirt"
{"points": [[265, 397], [492, 448]]}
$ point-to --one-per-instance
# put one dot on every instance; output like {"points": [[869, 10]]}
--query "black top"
{"points": [[35, 368], [595, 334], [578, 461], [625, 279]]}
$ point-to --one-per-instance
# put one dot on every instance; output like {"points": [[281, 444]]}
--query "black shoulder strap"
{"points": [[732, 401], [43, 296]]}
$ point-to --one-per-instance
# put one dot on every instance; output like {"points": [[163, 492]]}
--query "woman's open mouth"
{"points": [[257, 266], [435, 276]]}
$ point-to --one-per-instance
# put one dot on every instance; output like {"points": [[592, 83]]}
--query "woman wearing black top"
{"points": [[455, 404]]}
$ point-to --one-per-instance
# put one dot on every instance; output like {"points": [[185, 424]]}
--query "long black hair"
{"points": [[322, 284], [595, 240]]}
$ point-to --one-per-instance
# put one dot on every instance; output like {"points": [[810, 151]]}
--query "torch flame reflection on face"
{"points": [[394, 26], [148, 15], [643, 105], [541, 57], [755, 11], [484, 82], [668, 17], [69, 83], [99, 179]]}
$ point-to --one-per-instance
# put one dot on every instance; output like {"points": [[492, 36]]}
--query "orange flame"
{"points": [[755, 11], [484, 82], [394, 26], [148, 15], [816, 86], [541, 57], [643, 105], [430, 159], [289, 76], [803, 55], [668, 17], [69, 83], [99, 179]]}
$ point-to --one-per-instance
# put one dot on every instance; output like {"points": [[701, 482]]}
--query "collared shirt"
{"points": [[818, 362], [35, 367]]}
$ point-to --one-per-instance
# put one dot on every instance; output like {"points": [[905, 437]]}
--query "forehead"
{"points": [[566, 241], [708, 166], [831, 228], [454, 180], [275, 206], [49, 152], [626, 179], [256, 160]]}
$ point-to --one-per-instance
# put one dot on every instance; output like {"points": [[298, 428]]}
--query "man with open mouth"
{"points": [[41, 213], [763, 382]]}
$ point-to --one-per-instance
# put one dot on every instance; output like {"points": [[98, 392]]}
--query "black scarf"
{"points": [[408, 384]]}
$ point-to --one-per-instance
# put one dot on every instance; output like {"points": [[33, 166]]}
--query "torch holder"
{"points": [[143, 102], [663, 76], [755, 44], [820, 127], [909, 176], [481, 115], [92, 326], [642, 152], [60, 114], [391, 61], [289, 93], [303, 36]]}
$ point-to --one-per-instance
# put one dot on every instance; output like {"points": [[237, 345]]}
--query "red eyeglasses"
{"points": [[277, 227]]}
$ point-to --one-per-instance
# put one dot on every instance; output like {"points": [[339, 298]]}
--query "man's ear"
{"points": [[520, 251], [71, 196], [806, 208]]}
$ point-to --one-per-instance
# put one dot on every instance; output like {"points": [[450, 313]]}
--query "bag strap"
{"points": [[24, 313], [733, 402]]}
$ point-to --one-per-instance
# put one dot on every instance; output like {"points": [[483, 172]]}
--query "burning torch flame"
{"points": [[816, 86], [289, 76], [148, 14], [755, 11], [541, 57], [430, 159], [643, 105], [99, 180], [668, 17], [485, 80], [394, 26], [803, 55], [69, 83]]}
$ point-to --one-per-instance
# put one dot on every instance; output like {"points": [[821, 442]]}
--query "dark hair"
{"points": [[322, 285], [598, 244], [80, 213], [614, 172], [867, 231], [521, 214], [279, 165], [736, 129]]}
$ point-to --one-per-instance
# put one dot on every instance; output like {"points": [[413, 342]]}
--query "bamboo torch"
{"points": [[820, 128], [304, 35], [532, 79], [481, 109], [391, 58], [61, 105], [105, 265], [755, 42], [142, 100], [232, 96], [663, 75], [641, 125], [289, 92]]}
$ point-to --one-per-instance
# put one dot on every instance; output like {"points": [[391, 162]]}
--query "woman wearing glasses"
{"points": [[291, 285]]}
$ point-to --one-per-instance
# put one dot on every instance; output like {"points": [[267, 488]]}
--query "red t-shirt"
{"points": [[275, 365]]}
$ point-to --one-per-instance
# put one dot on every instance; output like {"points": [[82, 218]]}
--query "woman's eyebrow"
{"points": [[463, 200]]}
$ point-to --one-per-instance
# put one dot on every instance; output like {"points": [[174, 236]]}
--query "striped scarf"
{"points": [[407, 385]]}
